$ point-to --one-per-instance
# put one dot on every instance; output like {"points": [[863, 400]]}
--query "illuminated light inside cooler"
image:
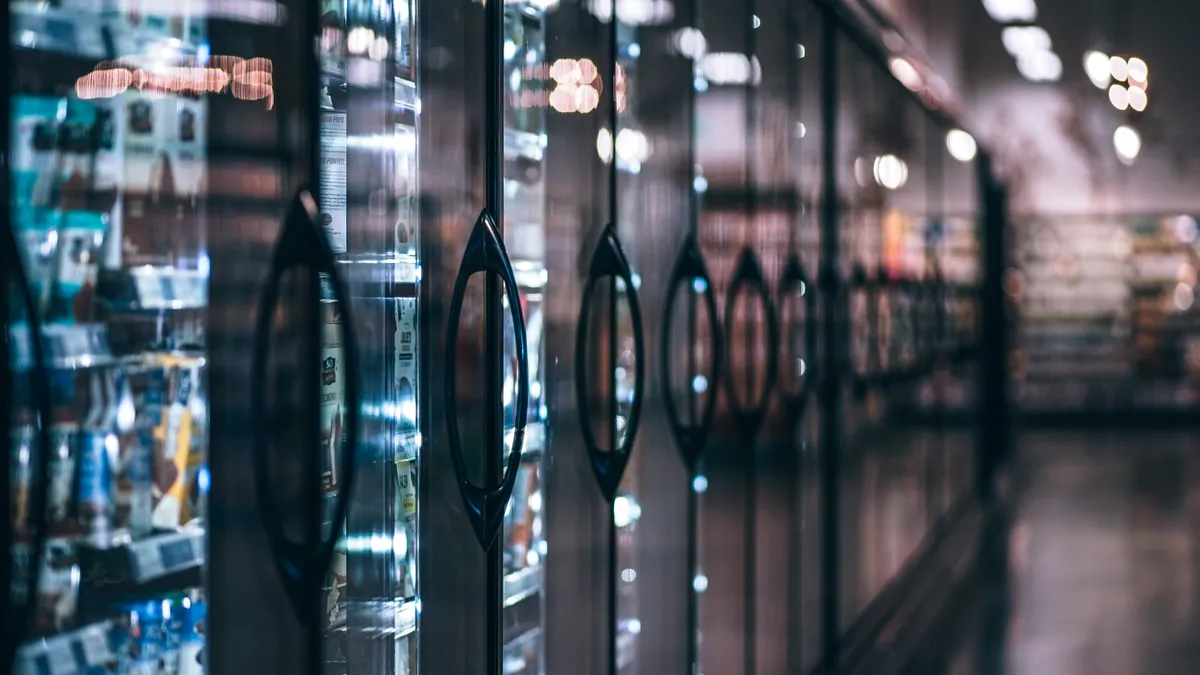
{"points": [[621, 511], [699, 285], [699, 384], [375, 543], [535, 502], [634, 626], [700, 583], [700, 184], [203, 479], [628, 575], [400, 544], [700, 484]]}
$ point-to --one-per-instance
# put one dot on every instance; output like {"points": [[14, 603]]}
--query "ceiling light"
{"points": [[1025, 41], [1095, 64], [1118, 96], [1137, 98], [961, 145], [689, 42], [1040, 67], [890, 171], [1128, 143], [1011, 11], [1119, 68], [730, 68], [1138, 70]]}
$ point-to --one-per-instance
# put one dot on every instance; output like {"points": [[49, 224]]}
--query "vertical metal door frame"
{"points": [[833, 310]]}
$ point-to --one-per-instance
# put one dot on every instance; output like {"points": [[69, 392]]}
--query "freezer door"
{"points": [[167, 284], [289, 381]]}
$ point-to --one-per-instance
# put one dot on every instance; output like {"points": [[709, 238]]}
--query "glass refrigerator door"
{"points": [[106, 289], [368, 122]]}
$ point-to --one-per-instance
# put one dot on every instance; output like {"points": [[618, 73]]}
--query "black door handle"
{"points": [[748, 415], [17, 614], [485, 505], [691, 272], [302, 243], [609, 260], [795, 280]]}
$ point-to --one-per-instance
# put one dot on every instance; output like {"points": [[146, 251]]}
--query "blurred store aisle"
{"points": [[1103, 558]]}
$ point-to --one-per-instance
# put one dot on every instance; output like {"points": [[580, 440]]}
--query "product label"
{"points": [[332, 394], [408, 488], [333, 178], [406, 361]]}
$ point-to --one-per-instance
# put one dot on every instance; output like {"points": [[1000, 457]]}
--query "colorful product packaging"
{"points": [[175, 437]]}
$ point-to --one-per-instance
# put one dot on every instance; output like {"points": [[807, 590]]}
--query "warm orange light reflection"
{"points": [[249, 80]]}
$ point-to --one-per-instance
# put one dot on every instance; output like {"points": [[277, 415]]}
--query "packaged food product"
{"points": [[332, 394], [175, 434], [58, 585], [192, 638]]}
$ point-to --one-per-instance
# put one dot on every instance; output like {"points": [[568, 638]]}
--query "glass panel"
{"points": [[369, 103], [525, 141], [107, 132]]}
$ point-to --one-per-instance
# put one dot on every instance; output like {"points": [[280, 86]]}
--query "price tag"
{"points": [[147, 560], [406, 619], [60, 657], [149, 290], [96, 652]]}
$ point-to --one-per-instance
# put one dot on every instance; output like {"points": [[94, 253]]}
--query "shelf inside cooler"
{"points": [[66, 347], [84, 650], [66, 31], [521, 584], [147, 288], [160, 563], [406, 619], [535, 441], [530, 274]]}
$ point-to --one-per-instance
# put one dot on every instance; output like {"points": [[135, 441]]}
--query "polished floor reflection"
{"points": [[1102, 563]]}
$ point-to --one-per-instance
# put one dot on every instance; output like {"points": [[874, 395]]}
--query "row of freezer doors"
{"points": [[399, 354]]}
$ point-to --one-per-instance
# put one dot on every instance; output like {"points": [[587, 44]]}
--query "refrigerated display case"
{"points": [[106, 226], [187, 213]]}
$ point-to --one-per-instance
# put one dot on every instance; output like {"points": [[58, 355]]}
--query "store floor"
{"points": [[1103, 573]]}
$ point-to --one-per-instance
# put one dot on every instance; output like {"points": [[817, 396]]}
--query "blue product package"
{"points": [[191, 646], [95, 473], [138, 639]]}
